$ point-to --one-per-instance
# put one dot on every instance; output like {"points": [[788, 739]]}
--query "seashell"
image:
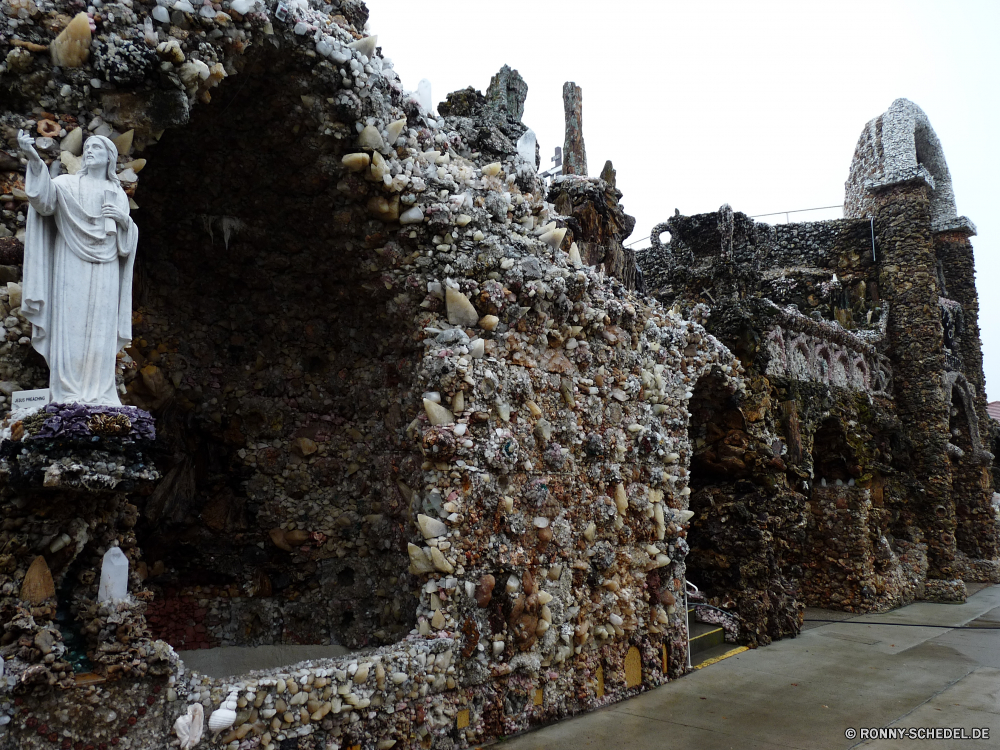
{"points": [[478, 236], [48, 128], [189, 726], [395, 129], [365, 46], [109, 425], [278, 537], [224, 716], [462, 219], [492, 170], [72, 47], [38, 585], [170, 51], [297, 537], [489, 322]]}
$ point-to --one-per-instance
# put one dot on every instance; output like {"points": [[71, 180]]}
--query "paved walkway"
{"points": [[807, 692]]}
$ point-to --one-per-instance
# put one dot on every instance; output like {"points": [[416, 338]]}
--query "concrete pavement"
{"points": [[807, 692]]}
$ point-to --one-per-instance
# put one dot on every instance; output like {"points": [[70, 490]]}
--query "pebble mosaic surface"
{"points": [[391, 390]]}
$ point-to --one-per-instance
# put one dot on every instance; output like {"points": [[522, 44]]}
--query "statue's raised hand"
{"points": [[26, 142]]}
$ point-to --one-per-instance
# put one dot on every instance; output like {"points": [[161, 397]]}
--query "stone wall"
{"points": [[408, 400], [395, 408], [871, 322]]}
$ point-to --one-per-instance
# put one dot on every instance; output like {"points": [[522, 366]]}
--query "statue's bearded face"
{"points": [[95, 154]]}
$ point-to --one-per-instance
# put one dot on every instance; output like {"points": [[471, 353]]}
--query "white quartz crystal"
{"points": [[114, 576]]}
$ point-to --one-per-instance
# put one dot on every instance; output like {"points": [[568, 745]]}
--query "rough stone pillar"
{"points": [[972, 485], [507, 93], [908, 281], [574, 152]]}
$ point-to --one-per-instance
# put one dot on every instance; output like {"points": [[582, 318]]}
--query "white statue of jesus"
{"points": [[79, 249]]}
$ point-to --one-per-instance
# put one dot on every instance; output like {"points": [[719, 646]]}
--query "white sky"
{"points": [[755, 104]]}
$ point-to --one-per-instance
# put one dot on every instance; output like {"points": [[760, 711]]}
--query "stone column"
{"points": [[973, 490], [908, 281], [574, 152]]}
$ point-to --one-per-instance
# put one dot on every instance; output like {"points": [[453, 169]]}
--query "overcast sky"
{"points": [[755, 104]]}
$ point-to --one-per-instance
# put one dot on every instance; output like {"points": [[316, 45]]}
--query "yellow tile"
{"points": [[539, 696], [462, 719], [633, 668]]}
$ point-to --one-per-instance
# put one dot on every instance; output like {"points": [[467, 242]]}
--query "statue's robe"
{"points": [[77, 290]]}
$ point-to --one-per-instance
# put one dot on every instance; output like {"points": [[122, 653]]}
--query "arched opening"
{"points": [[834, 461], [929, 154], [275, 357], [848, 560], [737, 533]]}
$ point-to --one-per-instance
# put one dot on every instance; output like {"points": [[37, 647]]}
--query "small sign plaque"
{"points": [[25, 399]]}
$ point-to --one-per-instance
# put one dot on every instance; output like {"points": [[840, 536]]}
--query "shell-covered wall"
{"points": [[860, 341], [394, 408]]}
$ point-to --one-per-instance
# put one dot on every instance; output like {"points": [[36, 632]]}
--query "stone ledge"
{"points": [[81, 448], [960, 224], [912, 176]]}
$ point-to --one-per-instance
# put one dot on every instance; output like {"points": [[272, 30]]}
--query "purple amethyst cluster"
{"points": [[73, 421]]}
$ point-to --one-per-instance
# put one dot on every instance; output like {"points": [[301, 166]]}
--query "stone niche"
{"points": [[271, 349]]}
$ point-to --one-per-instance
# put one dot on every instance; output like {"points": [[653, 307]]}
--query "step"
{"points": [[715, 654], [704, 636]]}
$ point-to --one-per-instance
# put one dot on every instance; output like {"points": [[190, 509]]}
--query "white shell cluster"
{"points": [[189, 726], [224, 716]]}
